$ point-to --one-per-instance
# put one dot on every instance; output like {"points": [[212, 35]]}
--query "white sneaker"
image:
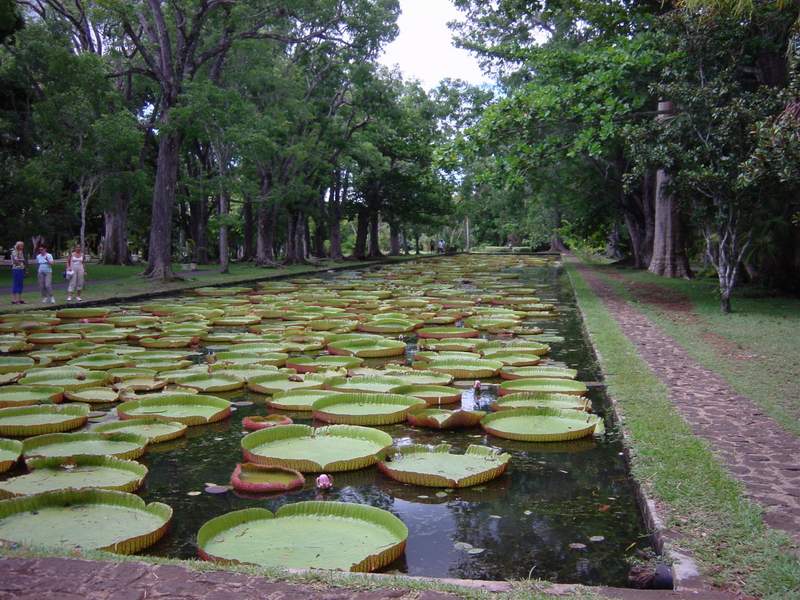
{"points": [[69, 298], [44, 300], [52, 300], [78, 298]]}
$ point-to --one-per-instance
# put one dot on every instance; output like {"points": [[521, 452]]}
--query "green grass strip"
{"points": [[723, 529]]}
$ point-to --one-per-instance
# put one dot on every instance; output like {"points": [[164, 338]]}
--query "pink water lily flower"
{"points": [[477, 385], [324, 482]]}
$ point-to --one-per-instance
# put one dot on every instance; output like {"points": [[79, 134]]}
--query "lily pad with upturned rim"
{"points": [[119, 445], [256, 422], [28, 395], [465, 369], [73, 519], [189, 409], [304, 364], [357, 408], [322, 535], [68, 378], [15, 364], [10, 451], [364, 383], [368, 347], [540, 424], [98, 395], [297, 400], [438, 418], [545, 385], [540, 371], [283, 382], [326, 449], [533, 399], [214, 382], [434, 395], [437, 467], [260, 479], [42, 418], [49, 474], [155, 430]]}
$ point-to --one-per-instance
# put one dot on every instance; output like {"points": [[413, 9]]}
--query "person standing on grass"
{"points": [[18, 264], [45, 261], [76, 273]]}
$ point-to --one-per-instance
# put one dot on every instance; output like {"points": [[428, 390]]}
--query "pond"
{"points": [[563, 511]]}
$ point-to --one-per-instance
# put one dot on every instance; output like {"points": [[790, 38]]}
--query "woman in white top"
{"points": [[45, 261], [76, 272]]}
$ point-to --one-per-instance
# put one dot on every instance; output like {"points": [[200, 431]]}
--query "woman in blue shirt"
{"points": [[18, 263]]}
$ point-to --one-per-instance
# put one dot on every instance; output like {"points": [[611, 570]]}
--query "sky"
{"points": [[424, 48]]}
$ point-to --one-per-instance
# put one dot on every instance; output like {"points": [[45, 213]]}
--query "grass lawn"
{"points": [[721, 527], [755, 348], [108, 282]]}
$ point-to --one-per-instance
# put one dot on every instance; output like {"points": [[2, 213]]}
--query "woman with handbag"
{"points": [[76, 273], [18, 264]]}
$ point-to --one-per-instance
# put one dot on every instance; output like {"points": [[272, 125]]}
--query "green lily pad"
{"points": [[358, 408], [189, 409], [321, 535], [368, 347], [119, 445], [546, 385], [282, 382], [542, 371], [540, 424], [438, 418], [465, 369], [437, 467], [78, 519], [100, 395], [10, 451], [42, 418], [532, 399], [448, 332], [49, 474], [68, 378], [326, 449], [27, 395], [364, 383], [297, 400], [216, 382], [434, 395], [100, 362], [155, 430], [304, 364], [15, 364]]}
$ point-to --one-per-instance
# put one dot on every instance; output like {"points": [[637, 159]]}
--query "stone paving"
{"points": [[754, 448], [75, 579]]}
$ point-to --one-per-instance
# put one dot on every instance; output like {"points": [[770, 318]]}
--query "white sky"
{"points": [[424, 48]]}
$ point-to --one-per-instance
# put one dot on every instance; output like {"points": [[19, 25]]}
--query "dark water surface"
{"points": [[520, 525]]}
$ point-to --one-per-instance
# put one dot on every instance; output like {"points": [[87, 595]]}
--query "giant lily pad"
{"points": [[419, 377], [27, 395], [83, 312], [75, 519], [466, 368], [437, 467], [155, 430], [364, 383], [48, 474], [189, 409], [43, 418], [99, 395], [10, 451], [434, 395], [547, 385], [321, 535], [330, 449], [297, 400], [540, 424], [68, 378], [15, 364], [358, 408], [438, 418], [447, 332], [260, 479], [368, 347], [215, 382], [119, 445], [101, 362], [538, 372], [282, 382], [531, 399], [305, 364]]}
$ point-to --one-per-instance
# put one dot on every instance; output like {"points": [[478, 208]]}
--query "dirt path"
{"points": [[753, 447]]}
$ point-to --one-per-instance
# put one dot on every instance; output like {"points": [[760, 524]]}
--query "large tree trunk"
{"points": [[224, 253], [159, 264], [248, 244], [198, 225], [338, 192], [394, 239], [669, 252], [296, 243], [362, 228], [265, 234], [374, 231], [115, 244]]}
